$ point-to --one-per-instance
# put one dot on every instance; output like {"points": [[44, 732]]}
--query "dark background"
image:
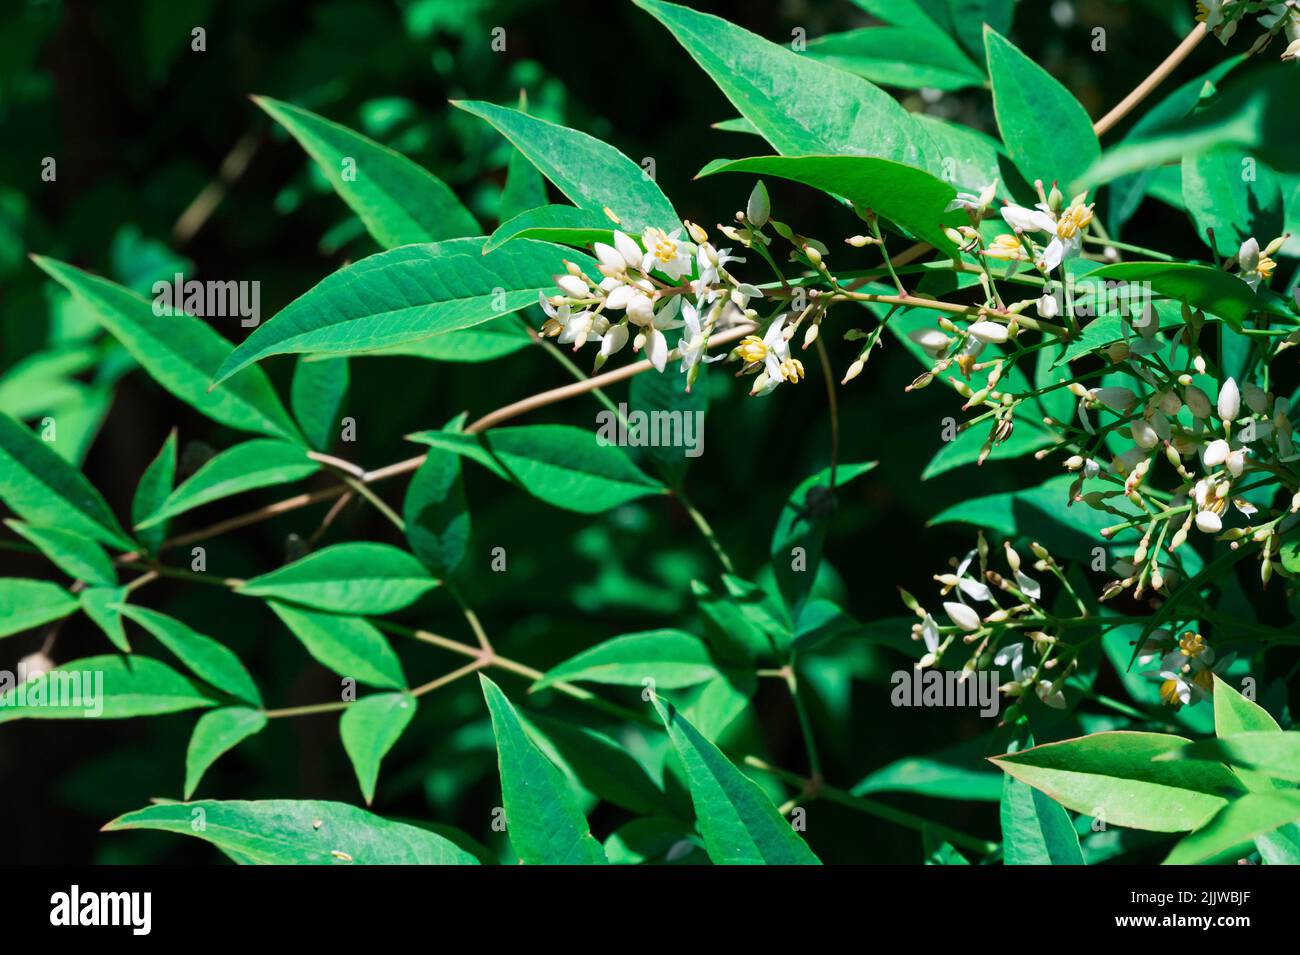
{"points": [[139, 125]]}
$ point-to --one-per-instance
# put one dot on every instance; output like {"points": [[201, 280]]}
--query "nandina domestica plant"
{"points": [[631, 646]]}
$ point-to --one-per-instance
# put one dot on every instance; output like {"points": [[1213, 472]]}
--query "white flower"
{"points": [[1216, 452], [1207, 522], [1053, 698], [1014, 654], [628, 249], [613, 340], [975, 202], [694, 344], [930, 634], [1066, 230], [773, 352], [1236, 462], [665, 253], [1210, 12], [573, 286], [932, 340], [610, 257], [962, 616], [1229, 404], [656, 348], [988, 332], [975, 589], [1255, 266]]}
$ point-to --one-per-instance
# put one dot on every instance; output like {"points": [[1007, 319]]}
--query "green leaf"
{"points": [[899, 56], [799, 105], [405, 295], [101, 605], [971, 160], [1234, 714], [398, 201], [180, 352], [956, 772], [739, 824], [672, 447], [594, 175], [803, 523], [263, 462], [563, 465], [909, 197], [1230, 834], [29, 603], [1047, 133], [671, 658], [293, 832], [352, 578], [350, 646], [596, 764], [209, 659], [43, 489], [1199, 286], [1269, 752], [1036, 830], [566, 225], [78, 557], [525, 188], [1116, 776], [154, 487], [107, 687], [493, 339], [436, 513], [545, 824], [370, 727], [316, 396], [215, 734], [1221, 195]]}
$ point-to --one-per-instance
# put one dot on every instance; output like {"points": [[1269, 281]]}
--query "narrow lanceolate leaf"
{"points": [[1231, 833], [293, 832], [264, 462], [316, 396], [350, 646], [217, 733], [672, 658], [181, 352], [910, 197], [43, 489], [596, 763], [398, 200], [1116, 777], [1035, 829], [405, 295], [357, 578], [1200, 286], [369, 729], [739, 824], [107, 687], [29, 603], [155, 484], [799, 105], [563, 465], [1271, 753], [103, 605], [566, 225], [1045, 129], [543, 821], [491, 340], [208, 659], [436, 513], [593, 174], [78, 557]]}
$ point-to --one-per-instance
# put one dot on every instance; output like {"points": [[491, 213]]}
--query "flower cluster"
{"points": [[1222, 17]]}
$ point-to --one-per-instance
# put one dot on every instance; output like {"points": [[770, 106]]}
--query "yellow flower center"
{"points": [[665, 250], [1169, 693], [1073, 221], [1265, 267], [1202, 11], [751, 349], [792, 370], [1191, 644], [1007, 246]]}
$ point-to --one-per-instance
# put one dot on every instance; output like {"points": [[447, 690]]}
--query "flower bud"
{"points": [[962, 615], [1229, 404], [988, 332], [759, 206]]}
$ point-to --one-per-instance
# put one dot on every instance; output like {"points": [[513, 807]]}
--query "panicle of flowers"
{"points": [[1001, 618]]}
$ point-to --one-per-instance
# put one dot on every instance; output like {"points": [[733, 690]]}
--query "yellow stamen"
{"points": [[751, 349], [1191, 644], [792, 370], [1073, 221], [1169, 693]]}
